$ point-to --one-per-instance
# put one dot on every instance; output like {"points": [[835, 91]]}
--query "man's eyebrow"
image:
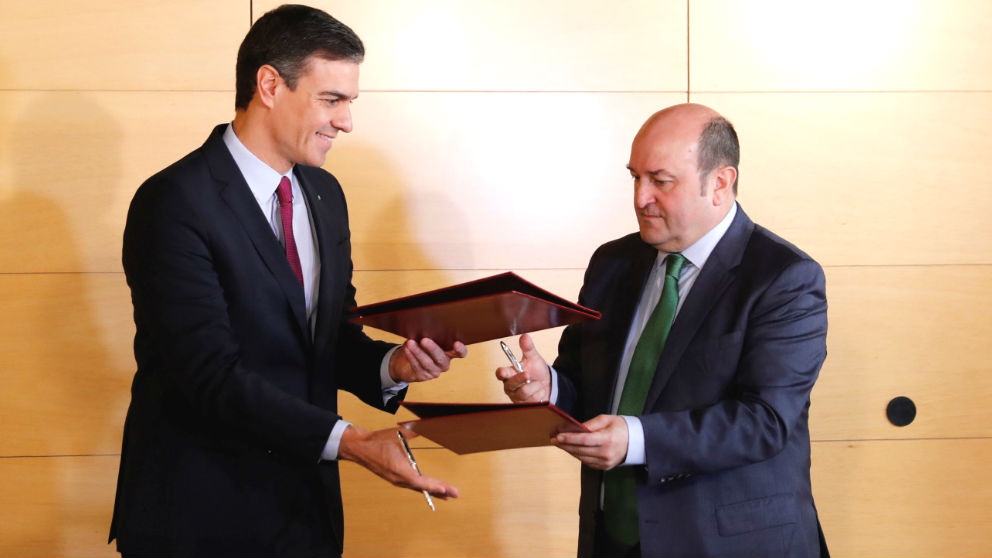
{"points": [[651, 172], [336, 94]]}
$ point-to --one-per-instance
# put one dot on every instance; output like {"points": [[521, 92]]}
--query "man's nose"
{"points": [[342, 118], [643, 194]]}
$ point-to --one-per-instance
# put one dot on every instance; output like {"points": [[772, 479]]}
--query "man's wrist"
{"points": [[386, 370], [350, 439]]}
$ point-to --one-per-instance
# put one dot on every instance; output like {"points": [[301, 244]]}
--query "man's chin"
{"points": [[653, 237], [317, 160], [660, 242]]}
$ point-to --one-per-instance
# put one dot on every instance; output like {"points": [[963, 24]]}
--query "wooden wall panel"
{"points": [[57, 506], [911, 498], [113, 45], [890, 335], [70, 162], [489, 180], [517, 45], [67, 363], [874, 45], [867, 179], [515, 503]]}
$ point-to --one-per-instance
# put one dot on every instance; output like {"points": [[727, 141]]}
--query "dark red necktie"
{"points": [[285, 194]]}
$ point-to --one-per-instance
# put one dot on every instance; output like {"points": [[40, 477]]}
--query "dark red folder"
{"points": [[489, 308], [475, 427]]}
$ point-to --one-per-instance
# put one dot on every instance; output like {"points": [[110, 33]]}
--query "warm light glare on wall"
{"points": [[859, 41]]}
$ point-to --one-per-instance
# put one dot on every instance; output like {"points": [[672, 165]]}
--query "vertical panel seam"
{"points": [[688, 65]]}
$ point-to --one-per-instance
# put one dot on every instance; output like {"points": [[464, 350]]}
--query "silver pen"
{"points": [[513, 359], [413, 463]]}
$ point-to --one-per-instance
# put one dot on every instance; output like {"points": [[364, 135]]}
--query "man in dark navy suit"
{"points": [[695, 383], [238, 258]]}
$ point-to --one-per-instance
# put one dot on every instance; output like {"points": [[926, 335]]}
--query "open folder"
{"points": [[474, 427], [489, 308]]}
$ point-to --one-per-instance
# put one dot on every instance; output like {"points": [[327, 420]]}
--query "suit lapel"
{"points": [[327, 284], [235, 192], [717, 274]]}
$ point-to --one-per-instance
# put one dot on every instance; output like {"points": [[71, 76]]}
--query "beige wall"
{"points": [[492, 135]]}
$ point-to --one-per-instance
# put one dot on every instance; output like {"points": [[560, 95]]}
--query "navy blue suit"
{"points": [[234, 397], [725, 423]]}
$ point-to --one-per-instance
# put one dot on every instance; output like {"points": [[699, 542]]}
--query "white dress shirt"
{"points": [[696, 256], [263, 181]]}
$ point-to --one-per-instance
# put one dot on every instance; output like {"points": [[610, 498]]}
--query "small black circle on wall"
{"points": [[901, 411]]}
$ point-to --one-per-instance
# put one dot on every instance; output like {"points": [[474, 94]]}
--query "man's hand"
{"points": [[419, 362], [604, 448], [534, 383], [381, 452]]}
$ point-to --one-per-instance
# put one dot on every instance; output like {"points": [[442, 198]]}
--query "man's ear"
{"points": [[267, 81], [723, 184]]}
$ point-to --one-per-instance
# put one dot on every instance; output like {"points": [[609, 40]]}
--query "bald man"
{"points": [[695, 383]]}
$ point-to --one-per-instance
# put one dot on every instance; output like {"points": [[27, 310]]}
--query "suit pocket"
{"points": [[753, 515]]}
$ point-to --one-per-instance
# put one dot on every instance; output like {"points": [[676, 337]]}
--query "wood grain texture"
{"points": [[892, 334], [57, 506], [878, 45], [913, 498], [867, 179], [489, 180], [70, 162], [67, 363], [519, 502], [114, 45], [516, 45]]}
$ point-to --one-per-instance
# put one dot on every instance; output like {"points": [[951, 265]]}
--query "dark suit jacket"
{"points": [[234, 398], [725, 424]]}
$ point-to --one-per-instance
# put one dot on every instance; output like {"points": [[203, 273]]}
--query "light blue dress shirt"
{"points": [[263, 181]]}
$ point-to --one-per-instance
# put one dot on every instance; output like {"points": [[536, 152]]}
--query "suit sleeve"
{"points": [[782, 349], [568, 364], [359, 358], [188, 353]]}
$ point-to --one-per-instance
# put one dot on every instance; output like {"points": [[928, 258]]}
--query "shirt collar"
{"points": [[261, 178], [700, 251]]}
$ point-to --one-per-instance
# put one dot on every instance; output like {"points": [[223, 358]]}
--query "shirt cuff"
{"points": [[330, 452], [390, 388], [635, 441], [553, 398]]}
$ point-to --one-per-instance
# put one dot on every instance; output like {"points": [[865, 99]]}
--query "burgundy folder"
{"points": [[490, 308], [475, 427]]}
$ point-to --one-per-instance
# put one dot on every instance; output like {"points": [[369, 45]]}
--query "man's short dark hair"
{"points": [[285, 38], [718, 147]]}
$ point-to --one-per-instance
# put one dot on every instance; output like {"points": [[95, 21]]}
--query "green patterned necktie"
{"points": [[620, 494]]}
